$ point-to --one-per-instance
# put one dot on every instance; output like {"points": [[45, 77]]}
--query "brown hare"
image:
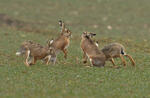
{"points": [[34, 52], [91, 51], [115, 50], [62, 42]]}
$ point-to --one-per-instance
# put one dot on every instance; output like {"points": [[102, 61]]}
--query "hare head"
{"points": [[88, 35], [24, 47], [67, 33], [64, 31]]}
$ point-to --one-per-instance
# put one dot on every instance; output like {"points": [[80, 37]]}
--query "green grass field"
{"points": [[130, 22]]}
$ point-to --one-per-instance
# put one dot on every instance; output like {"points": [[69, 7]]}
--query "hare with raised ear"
{"points": [[91, 35], [115, 50], [91, 51], [34, 52], [62, 42]]}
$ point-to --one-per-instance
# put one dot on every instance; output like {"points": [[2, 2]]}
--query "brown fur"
{"points": [[62, 42], [115, 50], [91, 51], [34, 51]]}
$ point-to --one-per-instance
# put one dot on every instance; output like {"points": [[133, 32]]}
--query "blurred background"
{"points": [[100, 16]]}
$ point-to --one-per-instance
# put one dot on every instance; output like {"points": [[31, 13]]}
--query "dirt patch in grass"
{"points": [[8, 21]]}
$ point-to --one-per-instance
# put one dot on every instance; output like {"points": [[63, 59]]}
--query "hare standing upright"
{"points": [[91, 51], [62, 42]]}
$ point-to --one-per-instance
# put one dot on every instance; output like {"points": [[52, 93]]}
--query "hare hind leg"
{"points": [[33, 60], [123, 60], [112, 61], [65, 53], [48, 59], [27, 58], [131, 59]]}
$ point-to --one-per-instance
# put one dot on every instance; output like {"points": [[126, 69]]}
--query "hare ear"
{"points": [[60, 22], [49, 42], [93, 34], [62, 25]]}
